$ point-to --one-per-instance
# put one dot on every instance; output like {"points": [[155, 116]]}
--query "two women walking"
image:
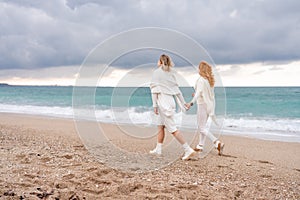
{"points": [[164, 88]]}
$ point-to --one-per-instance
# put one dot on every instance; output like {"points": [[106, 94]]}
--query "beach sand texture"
{"points": [[44, 158]]}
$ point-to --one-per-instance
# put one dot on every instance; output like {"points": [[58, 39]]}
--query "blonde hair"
{"points": [[205, 70], [166, 62]]}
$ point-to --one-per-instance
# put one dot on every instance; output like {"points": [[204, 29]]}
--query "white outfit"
{"points": [[204, 95], [202, 117], [164, 88]]}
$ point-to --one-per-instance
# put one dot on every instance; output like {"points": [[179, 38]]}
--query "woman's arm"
{"points": [[154, 99], [196, 96], [197, 92], [154, 102], [181, 101], [180, 98]]}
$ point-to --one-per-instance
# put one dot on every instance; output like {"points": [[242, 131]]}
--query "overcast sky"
{"points": [[40, 40]]}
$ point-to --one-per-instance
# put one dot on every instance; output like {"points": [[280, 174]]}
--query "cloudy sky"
{"points": [[253, 43]]}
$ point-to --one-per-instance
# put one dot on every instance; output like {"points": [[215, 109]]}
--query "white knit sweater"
{"points": [[204, 94], [165, 83]]}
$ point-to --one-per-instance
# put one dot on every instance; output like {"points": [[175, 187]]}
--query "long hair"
{"points": [[166, 62], [205, 70]]}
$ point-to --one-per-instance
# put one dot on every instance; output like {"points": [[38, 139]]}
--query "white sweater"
{"points": [[204, 94], [165, 83]]}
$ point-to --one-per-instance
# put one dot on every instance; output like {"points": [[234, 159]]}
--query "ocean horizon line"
{"points": [[7, 84]]}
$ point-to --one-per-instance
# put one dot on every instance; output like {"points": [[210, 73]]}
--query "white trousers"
{"points": [[202, 117], [166, 107]]}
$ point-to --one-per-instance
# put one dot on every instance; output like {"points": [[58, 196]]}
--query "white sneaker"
{"points": [[155, 151], [198, 148], [188, 154]]}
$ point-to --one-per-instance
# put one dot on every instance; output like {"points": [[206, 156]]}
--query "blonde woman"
{"points": [[164, 88], [205, 98]]}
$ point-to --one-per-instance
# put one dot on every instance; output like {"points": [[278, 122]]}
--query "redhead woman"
{"points": [[205, 98], [164, 88]]}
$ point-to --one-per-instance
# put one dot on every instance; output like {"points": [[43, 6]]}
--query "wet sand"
{"points": [[44, 158]]}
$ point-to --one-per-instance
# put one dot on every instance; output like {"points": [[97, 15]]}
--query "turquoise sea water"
{"points": [[265, 110]]}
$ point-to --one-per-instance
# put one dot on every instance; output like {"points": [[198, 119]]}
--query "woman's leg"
{"points": [[202, 117], [161, 134], [178, 137], [202, 120], [160, 140], [188, 151]]}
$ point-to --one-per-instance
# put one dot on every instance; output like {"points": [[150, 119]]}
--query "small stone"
{"points": [[273, 188], [135, 169], [9, 193], [212, 183], [248, 164], [68, 156], [237, 193]]}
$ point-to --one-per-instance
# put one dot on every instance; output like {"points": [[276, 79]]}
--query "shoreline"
{"points": [[42, 123], [45, 156], [252, 134]]}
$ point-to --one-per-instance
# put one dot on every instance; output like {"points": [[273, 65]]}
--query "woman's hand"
{"points": [[193, 94], [156, 110], [188, 105]]}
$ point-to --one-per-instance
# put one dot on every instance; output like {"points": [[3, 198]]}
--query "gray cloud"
{"points": [[232, 70], [54, 33]]}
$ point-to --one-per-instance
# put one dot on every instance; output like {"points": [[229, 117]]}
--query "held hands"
{"points": [[188, 105]]}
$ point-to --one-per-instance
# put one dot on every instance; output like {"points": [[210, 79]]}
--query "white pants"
{"points": [[202, 117], [166, 107]]}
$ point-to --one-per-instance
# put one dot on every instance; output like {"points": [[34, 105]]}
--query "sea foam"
{"points": [[146, 117]]}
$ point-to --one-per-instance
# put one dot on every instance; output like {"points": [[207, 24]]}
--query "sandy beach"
{"points": [[44, 158]]}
